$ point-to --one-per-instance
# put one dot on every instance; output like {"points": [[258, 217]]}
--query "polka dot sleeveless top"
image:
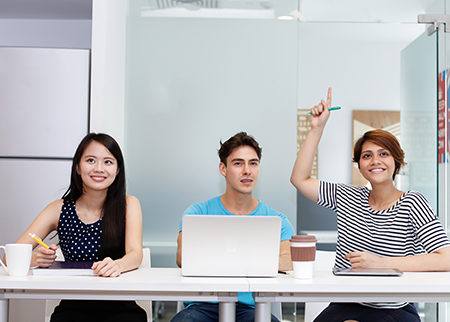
{"points": [[78, 241]]}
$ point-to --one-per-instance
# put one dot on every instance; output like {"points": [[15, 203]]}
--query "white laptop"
{"points": [[231, 246]]}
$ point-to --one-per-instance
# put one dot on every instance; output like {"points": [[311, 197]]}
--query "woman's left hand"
{"points": [[107, 268], [364, 260]]}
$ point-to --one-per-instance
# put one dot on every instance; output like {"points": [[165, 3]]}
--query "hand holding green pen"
{"points": [[321, 112], [334, 108]]}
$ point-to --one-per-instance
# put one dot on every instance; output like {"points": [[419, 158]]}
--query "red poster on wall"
{"points": [[442, 110]]}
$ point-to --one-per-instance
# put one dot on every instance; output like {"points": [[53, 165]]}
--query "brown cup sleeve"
{"points": [[303, 254]]}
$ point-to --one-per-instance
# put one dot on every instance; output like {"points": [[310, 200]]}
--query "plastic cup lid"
{"points": [[303, 239]]}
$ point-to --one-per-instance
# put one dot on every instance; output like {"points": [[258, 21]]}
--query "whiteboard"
{"points": [[44, 101], [44, 106]]}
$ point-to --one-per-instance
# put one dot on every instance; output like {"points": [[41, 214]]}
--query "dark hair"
{"points": [[239, 139], [114, 208], [386, 140]]}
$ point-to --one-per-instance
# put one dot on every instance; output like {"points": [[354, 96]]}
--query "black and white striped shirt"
{"points": [[409, 227]]}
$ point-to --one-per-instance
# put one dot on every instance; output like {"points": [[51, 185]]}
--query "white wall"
{"points": [[108, 68]]}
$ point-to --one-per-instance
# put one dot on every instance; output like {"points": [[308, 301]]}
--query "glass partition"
{"points": [[443, 68], [443, 152], [418, 116], [192, 82]]}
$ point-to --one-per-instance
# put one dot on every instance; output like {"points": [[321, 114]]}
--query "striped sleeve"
{"points": [[428, 227], [327, 195]]}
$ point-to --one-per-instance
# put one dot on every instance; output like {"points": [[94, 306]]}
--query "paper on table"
{"points": [[60, 268]]}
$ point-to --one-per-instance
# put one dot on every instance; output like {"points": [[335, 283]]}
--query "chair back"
{"points": [[324, 261], [146, 259], [146, 263]]}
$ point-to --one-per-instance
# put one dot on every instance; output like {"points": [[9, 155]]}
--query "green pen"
{"points": [[334, 108]]}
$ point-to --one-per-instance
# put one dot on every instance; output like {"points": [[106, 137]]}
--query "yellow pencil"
{"points": [[40, 242]]}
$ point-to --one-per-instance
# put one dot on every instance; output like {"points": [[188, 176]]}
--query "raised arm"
{"points": [[133, 244], [301, 174], [44, 224]]}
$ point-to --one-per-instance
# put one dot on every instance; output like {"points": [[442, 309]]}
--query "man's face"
{"points": [[242, 170]]}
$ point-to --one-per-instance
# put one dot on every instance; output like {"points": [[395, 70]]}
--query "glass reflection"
{"points": [[219, 9], [367, 10]]}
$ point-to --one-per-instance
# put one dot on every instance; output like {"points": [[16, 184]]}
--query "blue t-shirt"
{"points": [[214, 206]]}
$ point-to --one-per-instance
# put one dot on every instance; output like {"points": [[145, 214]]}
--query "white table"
{"points": [[167, 284], [156, 284], [325, 287]]}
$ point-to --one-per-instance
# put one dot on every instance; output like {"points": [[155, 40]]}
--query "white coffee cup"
{"points": [[303, 255], [18, 258]]}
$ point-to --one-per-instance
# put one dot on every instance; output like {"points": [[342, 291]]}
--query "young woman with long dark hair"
{"points": [[95, 221]]}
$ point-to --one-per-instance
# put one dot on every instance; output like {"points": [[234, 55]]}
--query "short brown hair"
{"points": [[238, 140], [386, 140]]}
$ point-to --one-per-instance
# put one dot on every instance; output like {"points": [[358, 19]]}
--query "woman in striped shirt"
{"points": [[381, 227]]}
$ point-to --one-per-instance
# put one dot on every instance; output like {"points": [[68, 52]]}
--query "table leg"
{"points": [[4, 310], [263, 312], [227, 311]]}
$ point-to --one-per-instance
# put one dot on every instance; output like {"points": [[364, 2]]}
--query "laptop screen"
{"points": [[246, 246]]}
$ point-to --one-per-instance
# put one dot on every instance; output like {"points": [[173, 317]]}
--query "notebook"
{"points": [[60, 268], [367, 272], [230, 246]]}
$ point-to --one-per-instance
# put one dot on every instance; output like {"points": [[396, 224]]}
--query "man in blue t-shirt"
{"points": [[239, 164]]}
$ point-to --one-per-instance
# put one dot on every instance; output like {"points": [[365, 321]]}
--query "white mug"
{"points": [[18, 258]]}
